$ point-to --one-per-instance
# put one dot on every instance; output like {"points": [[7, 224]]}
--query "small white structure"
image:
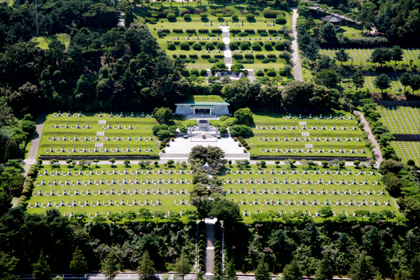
{"points": [[202, 109]]}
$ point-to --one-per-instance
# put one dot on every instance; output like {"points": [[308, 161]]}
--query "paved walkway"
{"points": [[209, 258], [35, 139], [227, 52], [376, 151], [297, 70]]}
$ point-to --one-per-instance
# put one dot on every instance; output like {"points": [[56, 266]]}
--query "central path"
{"points": [[226, 40], [209, 258], [297, 70], [377, 150], [35, 139]]}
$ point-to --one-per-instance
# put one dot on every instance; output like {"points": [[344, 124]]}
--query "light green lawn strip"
{"points": [[204, 98], [28, 148], [349, 31], [168, 201], [45, 40]]}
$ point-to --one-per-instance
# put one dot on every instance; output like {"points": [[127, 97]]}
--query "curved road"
{"points": [[297, 70]]}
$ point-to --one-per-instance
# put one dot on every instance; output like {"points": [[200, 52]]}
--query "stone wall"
{"points": [[407, 137], [395, 103], [220, 110], [317, 158], [99, 157], [184, 110]]}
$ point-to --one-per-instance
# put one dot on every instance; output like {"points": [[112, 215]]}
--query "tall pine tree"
{"points": [[41, 269], [361, 269], [146, 269], [110, 267], [262, 272], [292, 271], [12, 150], [78, 264], [324, 271]]}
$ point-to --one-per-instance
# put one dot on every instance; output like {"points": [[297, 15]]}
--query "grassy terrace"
{"points": [[336, 193], [402, 119], [395, 86], [407, 150], [203, 29], [362, 56], [204, 98], [114, 138], [264, 136]]}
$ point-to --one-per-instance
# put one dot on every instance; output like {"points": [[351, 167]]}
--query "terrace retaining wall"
{"points": [[394, 103], [407, 137], [99, 157], [310, 158]]}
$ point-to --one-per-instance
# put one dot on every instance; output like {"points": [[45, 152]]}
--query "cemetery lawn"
{"points": [[407, 150], [263, 138], [258, 64], [45, 40], [363, 56], [169, 201], [197, 23], [141, 127], [401, 119]]}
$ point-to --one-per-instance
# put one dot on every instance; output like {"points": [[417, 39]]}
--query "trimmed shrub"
{"points": [[280, 19], [193, 56], [250, 31], [215, 31], [268, 46], [271, 73], [249, 16], [196, 46], [194, 72], [190, 30], [177, 30], [239, 130], [205, 56], [185, 46], [233, 46], [221, 45], [245, 45], [249, 56], [259, 56], [243, 34], [209, 46], [203, 31], [272, 32], [235, 31], [256, 46], [213, 60], [171, 47], [234, 17], [259, 73], [269, 13], [203, 15], [171, 16], [238, 56], [187, 16], [203, 72]]}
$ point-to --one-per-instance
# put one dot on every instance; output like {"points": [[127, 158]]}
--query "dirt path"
{"points": [[376, 150], [297, 70]]}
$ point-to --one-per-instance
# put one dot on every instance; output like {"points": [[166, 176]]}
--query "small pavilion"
{"points": [[333, 19]]}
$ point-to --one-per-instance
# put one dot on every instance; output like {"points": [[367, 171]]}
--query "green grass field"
{"points": [[115, 138], [359, 193], [204, 98], [45, 40], [266, 140]]}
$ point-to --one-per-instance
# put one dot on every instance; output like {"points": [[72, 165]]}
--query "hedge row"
{"points": [[28, 186], [243, 142], [201, 244], [218, 248]]}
